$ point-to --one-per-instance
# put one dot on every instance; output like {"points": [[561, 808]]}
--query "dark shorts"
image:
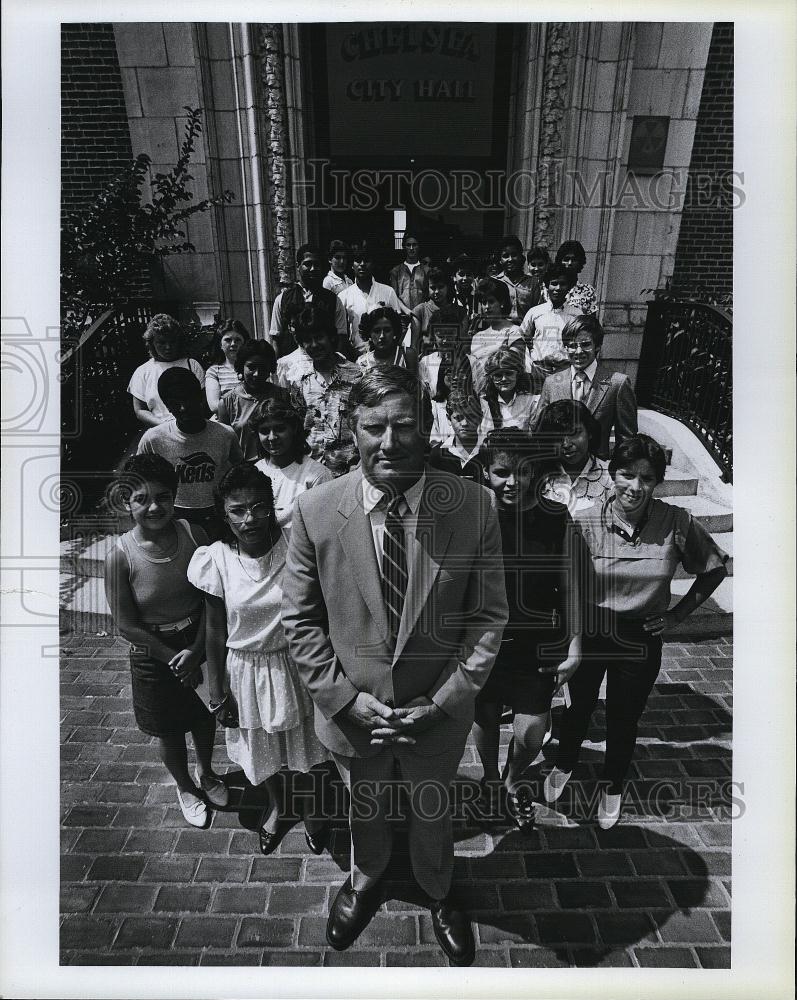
{"points": [[163, 706], [516, 681]]}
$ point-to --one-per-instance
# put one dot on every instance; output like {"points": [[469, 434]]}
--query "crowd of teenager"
{"points": [[506, 360]]}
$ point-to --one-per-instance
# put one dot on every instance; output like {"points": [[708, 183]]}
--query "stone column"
{"points": [[272, 73], [555, 99]]}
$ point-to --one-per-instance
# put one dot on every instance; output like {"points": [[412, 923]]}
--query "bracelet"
{"points": [[215, 706]]}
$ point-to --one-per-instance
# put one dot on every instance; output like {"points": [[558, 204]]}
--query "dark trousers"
{"points": [[630, 659]]}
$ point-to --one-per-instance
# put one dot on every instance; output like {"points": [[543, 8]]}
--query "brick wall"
{"points": [[704, 256], [95, 139]]}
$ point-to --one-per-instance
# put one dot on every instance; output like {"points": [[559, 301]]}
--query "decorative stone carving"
{"points": [[550, 157], [272, 75]]}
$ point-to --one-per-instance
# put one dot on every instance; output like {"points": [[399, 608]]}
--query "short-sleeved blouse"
{"points": [[487, 341], [591, 485], [224, 376], [236, 408], [290, 482], [251, 590], [143, 383], [632, 576]]}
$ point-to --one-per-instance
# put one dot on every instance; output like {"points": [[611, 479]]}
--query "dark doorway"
{"points": [[409, 117]]}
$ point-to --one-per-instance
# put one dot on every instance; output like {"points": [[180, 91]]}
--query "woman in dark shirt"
{"points": [[541, 646]]}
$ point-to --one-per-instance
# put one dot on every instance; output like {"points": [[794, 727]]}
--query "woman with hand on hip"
{"points": [[636, 544]]}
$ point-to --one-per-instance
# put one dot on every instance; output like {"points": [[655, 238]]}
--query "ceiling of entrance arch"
{"points": [[410, 88]]}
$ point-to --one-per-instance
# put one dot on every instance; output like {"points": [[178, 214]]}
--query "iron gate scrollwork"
{"points": [[686, 372]]}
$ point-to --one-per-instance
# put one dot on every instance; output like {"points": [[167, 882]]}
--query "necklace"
{"points": [[255, 579]]}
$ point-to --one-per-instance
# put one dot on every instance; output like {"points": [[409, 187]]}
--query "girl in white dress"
{"points": [[254, 686], [285, 459]]}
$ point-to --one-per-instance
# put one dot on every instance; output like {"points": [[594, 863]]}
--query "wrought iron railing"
{"points": [[686, 371], [97, 421]]}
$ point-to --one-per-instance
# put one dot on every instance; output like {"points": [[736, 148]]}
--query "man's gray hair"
{"points": [[387, 380]]}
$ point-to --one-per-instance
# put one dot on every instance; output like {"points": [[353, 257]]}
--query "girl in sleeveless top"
{"points": [[382, 327], [158, 611]]}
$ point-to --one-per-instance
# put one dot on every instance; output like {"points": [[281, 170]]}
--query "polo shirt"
{"points": [[632, 573]]}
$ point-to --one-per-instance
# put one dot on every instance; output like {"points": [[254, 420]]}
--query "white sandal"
{"points": [[609, 810], [193, 808], [555, 784]]}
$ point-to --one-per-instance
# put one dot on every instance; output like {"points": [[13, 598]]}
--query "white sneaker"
{"points": [[217, 792], [193, 808], [609, 810], [555, 784]]}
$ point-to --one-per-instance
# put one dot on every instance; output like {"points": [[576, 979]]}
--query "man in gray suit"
{"points": [[394, 606], [608, 395]]}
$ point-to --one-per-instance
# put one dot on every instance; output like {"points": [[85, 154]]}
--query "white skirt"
{"points": [[275, 714]]}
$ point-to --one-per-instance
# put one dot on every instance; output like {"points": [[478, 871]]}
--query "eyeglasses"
{"points": [[257, 511], [583, 345]]}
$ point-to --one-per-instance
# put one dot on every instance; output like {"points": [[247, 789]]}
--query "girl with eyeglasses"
{"points": [[254, 687]]}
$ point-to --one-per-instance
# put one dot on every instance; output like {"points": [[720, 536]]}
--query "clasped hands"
{"points": [[392, 725], [185, 667]]}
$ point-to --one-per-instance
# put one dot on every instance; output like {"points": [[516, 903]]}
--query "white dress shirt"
{"points": [[356, 302], [589, 378], [372, 495]]}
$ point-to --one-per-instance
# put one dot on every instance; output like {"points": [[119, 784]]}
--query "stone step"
{"points": [[83, 605], [713, 516], [720, 602], [677, 483], [87, 558], [725, 541]]}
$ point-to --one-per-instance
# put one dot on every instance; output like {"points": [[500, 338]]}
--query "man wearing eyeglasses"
{"points": [[607, 394]]}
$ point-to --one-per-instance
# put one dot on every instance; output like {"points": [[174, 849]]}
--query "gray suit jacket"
{"points": [[611, 401], [453, 617]]}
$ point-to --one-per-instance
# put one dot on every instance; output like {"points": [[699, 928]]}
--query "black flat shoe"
{"points": [[350, 914], [318, 839], [268, 840], [521, 808], [453, 932], [490, 806]]}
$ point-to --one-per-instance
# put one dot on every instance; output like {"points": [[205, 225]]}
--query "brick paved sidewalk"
{"points": [[141, 887]]}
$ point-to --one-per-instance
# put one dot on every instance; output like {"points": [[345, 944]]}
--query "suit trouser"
{"points": [[631, 660], [373, 786]]}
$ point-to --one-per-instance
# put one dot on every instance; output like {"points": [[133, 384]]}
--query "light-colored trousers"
{"points": [[372, 785]]}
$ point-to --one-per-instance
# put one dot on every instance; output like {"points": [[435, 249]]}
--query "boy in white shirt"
{"points": [[365, 295]]}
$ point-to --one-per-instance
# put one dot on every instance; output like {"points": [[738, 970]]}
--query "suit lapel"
{"points": [[425, 554], [357, 542], [598, 390]]}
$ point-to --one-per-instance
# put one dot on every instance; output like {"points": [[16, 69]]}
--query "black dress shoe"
{"points": [[350, 914], [453, 932], [268, 840], [318, 839]]}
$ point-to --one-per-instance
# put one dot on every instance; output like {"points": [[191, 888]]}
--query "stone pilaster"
{"points": [[272, 73], [552, 126]]}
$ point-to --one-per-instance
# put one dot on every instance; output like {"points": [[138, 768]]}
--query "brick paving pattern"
{"points": [[140, 887]]}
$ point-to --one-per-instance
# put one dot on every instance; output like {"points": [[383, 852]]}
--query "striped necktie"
{"points": [[579, 384], [394, 564]]}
